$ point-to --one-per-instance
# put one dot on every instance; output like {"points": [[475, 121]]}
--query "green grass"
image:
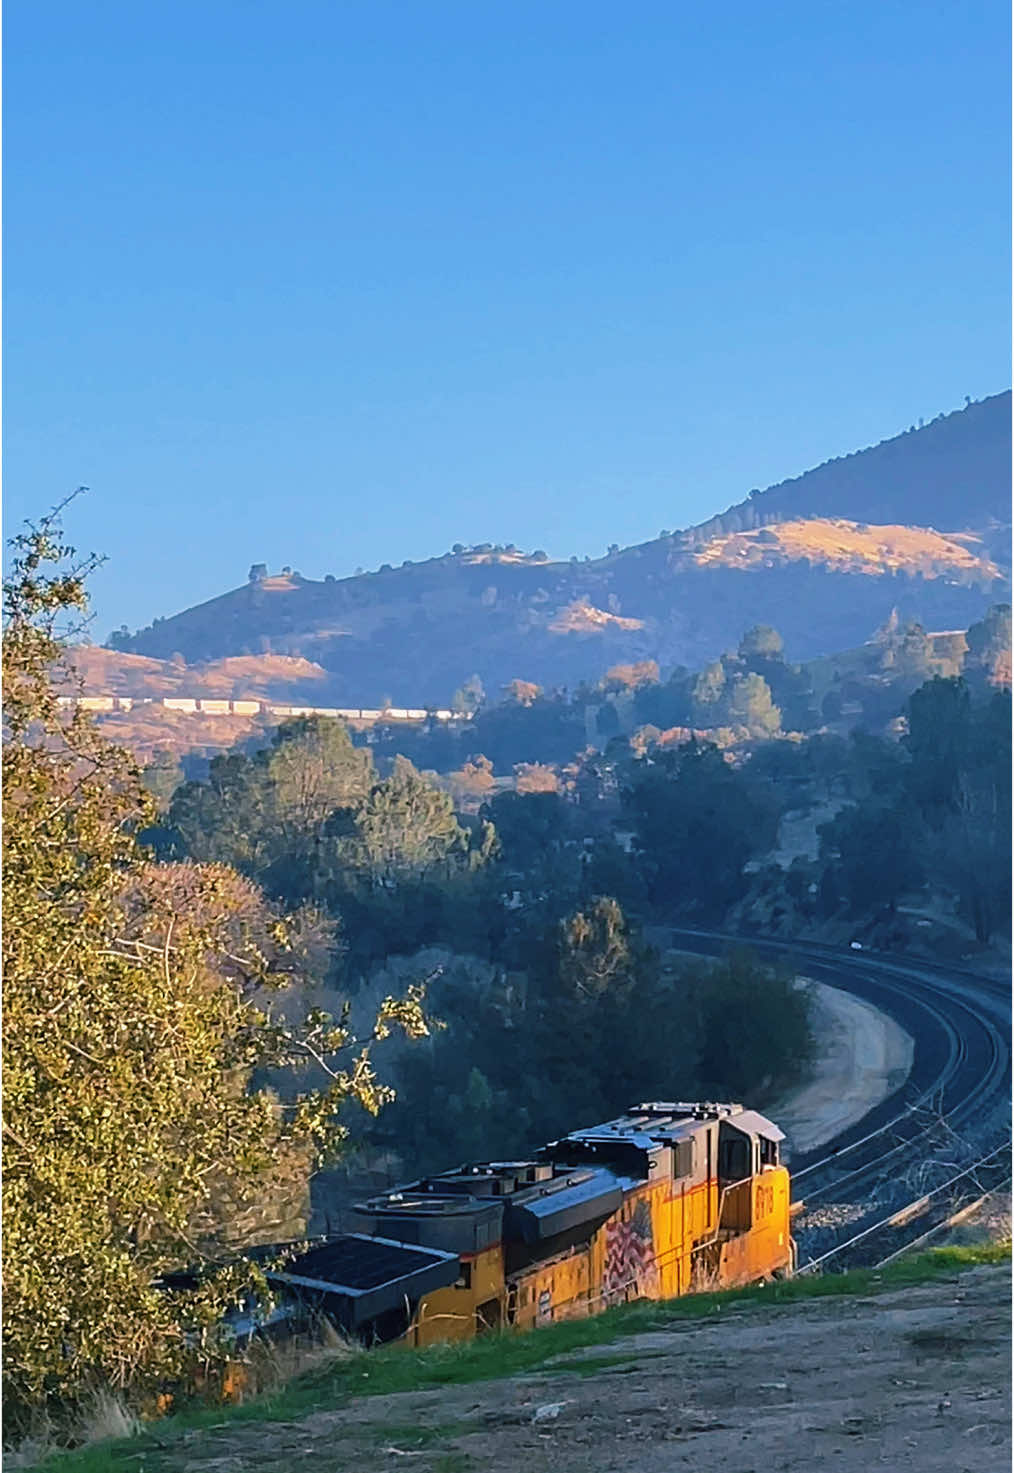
{"points": [[494, 1357]]}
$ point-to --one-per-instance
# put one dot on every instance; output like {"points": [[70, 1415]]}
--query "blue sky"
{"points": [[332, 284]]}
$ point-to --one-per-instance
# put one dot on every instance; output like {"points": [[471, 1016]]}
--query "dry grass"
{"points": [[269, 1366], [109, 672], [150, 729], [851, 546], [581, 617], [102, 1417]]}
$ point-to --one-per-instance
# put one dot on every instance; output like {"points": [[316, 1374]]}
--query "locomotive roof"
{"points": [[462, 1189], [661, 1122], [644, 1128]]}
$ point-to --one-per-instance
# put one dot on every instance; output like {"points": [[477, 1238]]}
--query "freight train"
{"points": [[664, 1200]]}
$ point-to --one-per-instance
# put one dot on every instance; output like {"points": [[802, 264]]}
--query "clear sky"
{"points": [[331, 283]]}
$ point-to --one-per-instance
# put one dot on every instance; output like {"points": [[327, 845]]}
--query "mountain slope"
{"points": [[952, 474], [919, 523]]}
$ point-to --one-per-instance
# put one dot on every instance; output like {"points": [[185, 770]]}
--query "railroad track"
{"points": [[893, 1232], [958, 1090]]}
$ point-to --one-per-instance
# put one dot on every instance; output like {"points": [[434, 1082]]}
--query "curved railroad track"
{"points": [[958, 1089]]}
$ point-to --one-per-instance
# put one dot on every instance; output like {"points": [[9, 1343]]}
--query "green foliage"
{"points": [[310, 819], [934, 809], [960, 783], [163, 775], [749, 704], [876, 854], [268, 813], [989, 646], [591, 1022], [697, 820], [594, 950], [403, 827], [469, 697], [708, 690], [548, 729], [761, 640], [138, 1000], [666, 705], [752, 1025], [529, 826]]}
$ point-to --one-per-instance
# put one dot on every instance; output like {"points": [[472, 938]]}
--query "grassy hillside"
{"points": [[918, 523], [544, 1366], [952, 474]]}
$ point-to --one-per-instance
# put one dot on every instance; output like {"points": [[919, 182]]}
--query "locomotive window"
{"points": [[683, 1162], [768, 1152], [735, 1157], [464, 1279]]}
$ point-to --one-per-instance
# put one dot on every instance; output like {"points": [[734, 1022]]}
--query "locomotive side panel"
{"points": [[665, 1200], [468, 1308]]}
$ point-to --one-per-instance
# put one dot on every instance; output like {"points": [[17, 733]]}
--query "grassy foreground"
{"points": [[388, 1369]]}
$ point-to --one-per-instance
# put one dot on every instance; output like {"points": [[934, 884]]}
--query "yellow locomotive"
{"points": [[664, 1200]]}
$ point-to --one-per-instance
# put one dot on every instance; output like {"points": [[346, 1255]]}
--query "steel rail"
{"points": [[946, 1222], [945, 1005], [981, 1089], [901, 1215]]}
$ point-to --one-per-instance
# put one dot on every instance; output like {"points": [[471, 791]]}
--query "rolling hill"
{"points": [[920, 523]]}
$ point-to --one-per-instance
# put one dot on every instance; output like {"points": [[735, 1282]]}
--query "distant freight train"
{"points": [[664, 1200], [206, 706]]}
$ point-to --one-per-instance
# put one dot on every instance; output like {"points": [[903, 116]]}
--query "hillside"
{"points": [[908, 1367], [919, 523], [952, 474], [240, 677]]}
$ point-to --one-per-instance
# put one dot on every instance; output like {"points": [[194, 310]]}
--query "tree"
{"points": [[528, 826], [761, 640], [594, 949], [696, 823], [749, 704], [630, 677], [404, 827], [137, 1003], [708, 690], [536, 777], [959, 783], [270, 813], [522, 692], [162, 776], [469, 697], [753, 1023], [989, 646], [938, 742], [913, 652], [874, 849], [311, 769], [473, 780]]}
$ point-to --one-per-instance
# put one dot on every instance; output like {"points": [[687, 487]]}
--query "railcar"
{"points": [[666, 1199]]}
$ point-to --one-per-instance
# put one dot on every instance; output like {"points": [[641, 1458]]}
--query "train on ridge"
{"points": [[667, 1199]]}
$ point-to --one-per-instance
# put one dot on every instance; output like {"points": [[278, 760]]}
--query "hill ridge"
{"points": [[823, 556]]}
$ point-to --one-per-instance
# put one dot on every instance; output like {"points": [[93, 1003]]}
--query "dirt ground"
{"points": [[912, 1379], [863, 1055]]}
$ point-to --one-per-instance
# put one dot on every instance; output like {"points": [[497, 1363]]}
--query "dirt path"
{"points": [[913, 1379], [863, 1056]]}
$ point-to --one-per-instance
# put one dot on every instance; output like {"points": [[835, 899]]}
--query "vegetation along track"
{"points": [[953, 1108]]}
